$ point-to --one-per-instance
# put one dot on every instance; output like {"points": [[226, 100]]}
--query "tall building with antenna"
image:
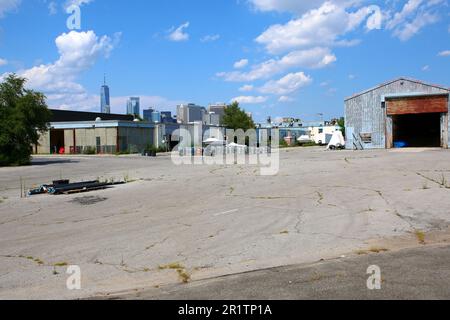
{"points": [[105, 106]]}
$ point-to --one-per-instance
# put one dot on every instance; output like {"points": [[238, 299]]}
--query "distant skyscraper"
{"points": [[219, 110], [134, 106], [148, 114], [105, 106], [189, 113]]}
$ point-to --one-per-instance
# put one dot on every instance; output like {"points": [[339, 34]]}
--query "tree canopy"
{"points": [[235, 118], [23, 115]]}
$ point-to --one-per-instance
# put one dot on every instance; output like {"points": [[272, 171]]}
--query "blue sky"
{"points": [[277, 57]]}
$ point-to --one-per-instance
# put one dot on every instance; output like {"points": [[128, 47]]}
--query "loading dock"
{"points": [[417, 130], [417, 120]]}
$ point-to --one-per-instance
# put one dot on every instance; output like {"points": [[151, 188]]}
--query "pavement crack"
{"points": [[158, 243], [299, 222]]}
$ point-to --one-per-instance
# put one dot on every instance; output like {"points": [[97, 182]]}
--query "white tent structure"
{"points": [[337, 141]]}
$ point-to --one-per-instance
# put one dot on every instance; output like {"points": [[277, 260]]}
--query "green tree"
{"points": [[235, 118], [341, 123], [23, 115]]}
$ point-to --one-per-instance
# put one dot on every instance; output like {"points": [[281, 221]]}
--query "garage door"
{"points": [[415, 105]]}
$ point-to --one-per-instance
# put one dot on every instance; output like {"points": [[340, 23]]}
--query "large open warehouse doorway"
{"points": [[417, 121], [417, 130]]}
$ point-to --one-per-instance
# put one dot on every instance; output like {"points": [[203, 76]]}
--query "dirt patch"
{"points": [[88, 200], [414, 240]]}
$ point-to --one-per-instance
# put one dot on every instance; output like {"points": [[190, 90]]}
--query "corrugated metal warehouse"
{"points": [[402, 112]]}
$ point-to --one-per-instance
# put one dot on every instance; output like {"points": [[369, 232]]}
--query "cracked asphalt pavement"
{"points": [[212, 221]]}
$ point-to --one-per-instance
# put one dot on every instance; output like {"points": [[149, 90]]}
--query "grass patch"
{"points": [[181, 270], [36, 260], [378, 250], [420, 236], [184, 276], [171, 266], [371, 250], [61, 264]]}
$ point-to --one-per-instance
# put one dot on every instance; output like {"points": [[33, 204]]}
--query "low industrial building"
{"points": [[399, 113], [73, 132]]}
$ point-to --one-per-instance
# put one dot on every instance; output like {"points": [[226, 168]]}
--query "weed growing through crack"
{"points": [[61, 264], [184, 276], [172, 266], [420, 236], [180, 269]]}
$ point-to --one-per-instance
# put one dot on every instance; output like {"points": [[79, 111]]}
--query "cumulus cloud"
{"points": [[413, 17], [241, 64], [445, 53], [250, 99], [78, 52], [178, 34], [318, 27], [8, 5], [286, 85], [312, 58]]}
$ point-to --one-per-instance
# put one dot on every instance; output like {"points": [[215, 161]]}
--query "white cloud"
{"points": [[413, 17], [295, 6], [411, 29], [78, 52], [426, 68], [241, 64], [246, 88], [285, 99], [78, 3], [318, 27], [351, 77], [249, 99], [3, 62], [210, 38], [179, 34], [286, 85], [312, 58], [408, 9], [8, 5], [445, 53]]}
